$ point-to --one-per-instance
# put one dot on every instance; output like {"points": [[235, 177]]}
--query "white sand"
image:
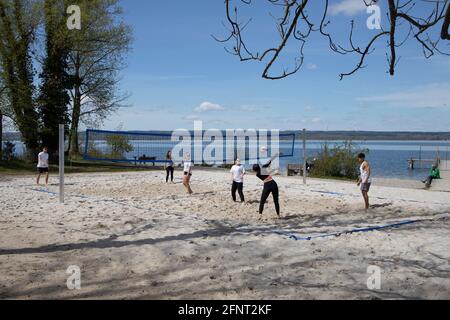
{"points": [[136, 237]]}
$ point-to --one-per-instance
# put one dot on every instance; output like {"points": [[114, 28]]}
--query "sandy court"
{"points": [[134, 236]]}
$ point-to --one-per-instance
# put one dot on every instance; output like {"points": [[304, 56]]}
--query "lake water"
{"points": [[387, 158]]}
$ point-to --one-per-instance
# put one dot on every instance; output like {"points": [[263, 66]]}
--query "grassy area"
{"points": [[19, 167], [16, 167]]}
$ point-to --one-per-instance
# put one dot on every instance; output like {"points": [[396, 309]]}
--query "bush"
{"points": [[339, 161], [9, 149], [119, 146]]}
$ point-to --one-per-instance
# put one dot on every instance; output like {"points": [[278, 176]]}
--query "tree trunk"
{"points": [[1, 135], [74, 148], [445, 34]]}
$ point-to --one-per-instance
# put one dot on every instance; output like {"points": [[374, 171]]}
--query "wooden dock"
{"points": [[418, 163]]}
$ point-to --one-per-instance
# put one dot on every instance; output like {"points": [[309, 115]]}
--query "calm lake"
{"points": [[387, 158]]}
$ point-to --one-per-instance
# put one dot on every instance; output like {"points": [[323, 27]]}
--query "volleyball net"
{"points": [[220, 147]]}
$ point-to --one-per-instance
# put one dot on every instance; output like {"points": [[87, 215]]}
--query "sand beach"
{"points": [[135, 237]]}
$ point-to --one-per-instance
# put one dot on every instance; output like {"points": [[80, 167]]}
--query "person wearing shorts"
{"points": [[43, 165], [365, 180], [187, 173]]}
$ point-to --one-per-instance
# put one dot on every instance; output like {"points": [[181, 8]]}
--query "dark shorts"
{"points": [[365, 187], [43, 170], [186, 173]]}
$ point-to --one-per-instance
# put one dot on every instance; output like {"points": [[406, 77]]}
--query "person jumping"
{"points": [[270, 186]]}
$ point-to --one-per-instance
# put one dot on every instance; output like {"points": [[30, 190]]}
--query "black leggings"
{"points": [[429, 181], [239, 187], [270, 187], [169, 170]]}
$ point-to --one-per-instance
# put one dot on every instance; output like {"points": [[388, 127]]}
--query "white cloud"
{"points": [[308, 108], [312, 66], [208, 106], [316, 120], [435, 95], [348, 7]]}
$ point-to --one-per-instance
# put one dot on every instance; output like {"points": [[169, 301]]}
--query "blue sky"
{"points": [[177, 73]]}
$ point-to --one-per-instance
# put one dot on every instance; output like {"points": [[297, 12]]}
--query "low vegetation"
{"points": [[337, 161]]}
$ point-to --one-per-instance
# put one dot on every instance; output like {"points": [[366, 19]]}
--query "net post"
{"points": [[61, 163], [304, 156], [86, 144]]}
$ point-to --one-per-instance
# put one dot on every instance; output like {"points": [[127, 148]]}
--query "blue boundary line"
{"points": [[293, 236], [380, 198], [328, 192], [45, 191], [361, 230], [57, 193]]}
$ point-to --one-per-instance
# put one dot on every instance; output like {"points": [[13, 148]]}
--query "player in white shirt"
{"points": [[43, 165], [365, 180], [187, 172], [237, 177]]}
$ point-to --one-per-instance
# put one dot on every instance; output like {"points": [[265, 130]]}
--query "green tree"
{"points": [[8, 152], [17, 29], [96, 58], [6, 114], [339, 161], [55, 82], [119, 145]]}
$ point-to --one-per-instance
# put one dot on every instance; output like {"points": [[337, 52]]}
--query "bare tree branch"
{"points": [[294, 24]]}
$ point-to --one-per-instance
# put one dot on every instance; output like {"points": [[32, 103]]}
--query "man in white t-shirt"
{"points": [[43, 165], [237, 176]]}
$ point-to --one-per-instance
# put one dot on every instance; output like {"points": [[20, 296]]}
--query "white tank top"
{"points": [[188, 166], [364, 175]]}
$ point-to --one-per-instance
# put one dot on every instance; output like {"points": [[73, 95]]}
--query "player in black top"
{"points": [[270, 186]]}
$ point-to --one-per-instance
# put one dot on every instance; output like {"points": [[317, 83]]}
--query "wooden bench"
{"points": [[144, 159], [295, 170]]}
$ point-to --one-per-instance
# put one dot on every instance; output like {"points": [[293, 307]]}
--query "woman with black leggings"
{"points": [[169, 167], [270, 187]]}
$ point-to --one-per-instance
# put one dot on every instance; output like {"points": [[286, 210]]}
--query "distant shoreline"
{"points": [[328, 135]]}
